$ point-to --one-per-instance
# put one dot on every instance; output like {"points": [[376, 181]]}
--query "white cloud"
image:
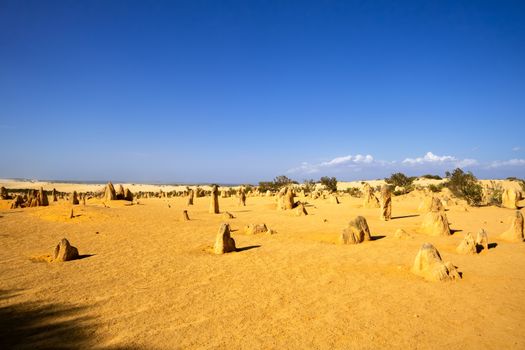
{"points": [[367, 164], [466, 162], [348, 161], [510, 162], [337, 161], [431, 158], [363, 159], [516, 149]]}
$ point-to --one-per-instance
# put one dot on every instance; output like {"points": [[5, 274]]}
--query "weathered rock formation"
{"points": [[253, 229], [515, 231], [191, 194], [509, 199], [401, 234], [435, 222], [285, 198], [482, 241], [120, 192], [369, 199], [226, 215], [223, 242], [242, 197], [18, 202], [65, 252], [467, 245], [128, 195], [3, 193], [386, 203], [429, 265], [300, 210], [109, 193], [334, 199], [42, 195], [431, 203], [214, 201], [74, 198], [356, 232]]}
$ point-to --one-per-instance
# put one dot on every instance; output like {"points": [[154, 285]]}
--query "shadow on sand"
{"points": [[84, 256], [404, 216], [378, 237], [247, 248], [479, 248], [36, 325]]}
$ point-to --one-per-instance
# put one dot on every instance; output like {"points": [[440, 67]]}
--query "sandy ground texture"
{"points": [[147, 280]]}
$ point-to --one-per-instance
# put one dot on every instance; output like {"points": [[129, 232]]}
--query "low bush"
{"points": [[465, 186]]}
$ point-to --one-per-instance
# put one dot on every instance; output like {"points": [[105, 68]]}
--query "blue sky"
{"points": [[242, 91]]}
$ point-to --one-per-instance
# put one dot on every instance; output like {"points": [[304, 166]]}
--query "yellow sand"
{"points": [[152, 283]]}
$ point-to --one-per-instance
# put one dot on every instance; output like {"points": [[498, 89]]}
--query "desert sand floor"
{"points": [[147, 280]]}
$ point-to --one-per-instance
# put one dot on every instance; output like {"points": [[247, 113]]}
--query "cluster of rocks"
{"points": [[38, 198], [427, 264], [285, 198], [121, 194], [35, 198], [470, 246]]}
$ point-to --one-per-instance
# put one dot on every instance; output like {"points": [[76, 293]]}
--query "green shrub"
{"points": [[432, 177], [465, 186], [354, 192], [435, 188], [494, 193], [266, 186], [400, 180], [309, 185], [330, 183], [247, 188], [276, 184]]}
